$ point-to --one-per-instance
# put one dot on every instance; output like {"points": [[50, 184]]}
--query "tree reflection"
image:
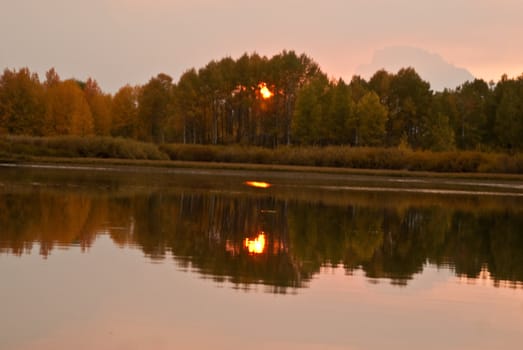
{"points": [[293, 237]]}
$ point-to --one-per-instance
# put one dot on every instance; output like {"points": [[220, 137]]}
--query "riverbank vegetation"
{"points": [[280, 110], [27, 148], [78, 147]]}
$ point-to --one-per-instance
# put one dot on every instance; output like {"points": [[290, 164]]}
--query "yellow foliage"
{"points": [[67, 111]]}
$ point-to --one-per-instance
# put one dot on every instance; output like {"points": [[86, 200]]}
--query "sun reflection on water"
{"points": [[258, 184], [257, 245]]}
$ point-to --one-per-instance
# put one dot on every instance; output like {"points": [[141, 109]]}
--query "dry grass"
{"points": [[353, 157], [22, 147], [75, 146]]}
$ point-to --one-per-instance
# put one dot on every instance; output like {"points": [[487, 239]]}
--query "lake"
{"points": [[144, 258]]}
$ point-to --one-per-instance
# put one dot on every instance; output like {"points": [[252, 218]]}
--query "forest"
{"points": [[270, 102]]}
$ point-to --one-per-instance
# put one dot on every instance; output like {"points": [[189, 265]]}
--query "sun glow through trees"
{"points": [[264, 91]]}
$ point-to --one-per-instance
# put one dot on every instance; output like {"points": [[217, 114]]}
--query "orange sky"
{"points": [[129, 41]]}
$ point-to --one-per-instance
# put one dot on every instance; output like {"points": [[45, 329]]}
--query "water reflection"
{"points": [[258, 184], [256, 245], [276, 239]]}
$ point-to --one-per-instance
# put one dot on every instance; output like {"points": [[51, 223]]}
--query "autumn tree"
{"points": [[309, 111], [470, 126], [51, 78], [124, 112], [289, 73], [339, 110], [249, 72], [508, 127], [439, 134], [67, 111], [188, 106], [409, 106], [216, 82], [380, 83], [371, 119], [100, 106], [358, 88], [21, 103], [446, 103], [155, 106]]}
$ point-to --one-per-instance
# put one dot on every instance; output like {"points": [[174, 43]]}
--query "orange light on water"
{"points": [[264, 91], [258, 184], [257, 245]]}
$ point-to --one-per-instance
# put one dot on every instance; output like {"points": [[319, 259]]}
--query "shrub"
{"points": [[76, 146], [332, 156]]}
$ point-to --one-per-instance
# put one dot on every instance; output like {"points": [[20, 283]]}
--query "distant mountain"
{"points": [[431, 67]]}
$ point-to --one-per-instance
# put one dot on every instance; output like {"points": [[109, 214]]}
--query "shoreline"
{"points": [[139, 165], [284, 179], [116, 163], [305, 159]]}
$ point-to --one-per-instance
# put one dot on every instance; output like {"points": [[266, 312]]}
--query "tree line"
{"points": [[282, 100]]}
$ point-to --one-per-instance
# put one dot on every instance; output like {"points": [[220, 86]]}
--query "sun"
{"points": [[264, 91]]}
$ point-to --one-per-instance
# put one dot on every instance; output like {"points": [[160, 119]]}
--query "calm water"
{"points": [[196, 259]]}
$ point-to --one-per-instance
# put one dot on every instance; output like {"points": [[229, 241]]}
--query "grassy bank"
{"points": [[78, 147], [353, 157], [18, 147]]}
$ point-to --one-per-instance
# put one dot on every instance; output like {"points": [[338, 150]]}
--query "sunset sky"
{"points": [[129, 41]]}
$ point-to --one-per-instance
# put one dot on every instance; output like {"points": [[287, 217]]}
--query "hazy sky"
{"points": [[129, 41]]}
